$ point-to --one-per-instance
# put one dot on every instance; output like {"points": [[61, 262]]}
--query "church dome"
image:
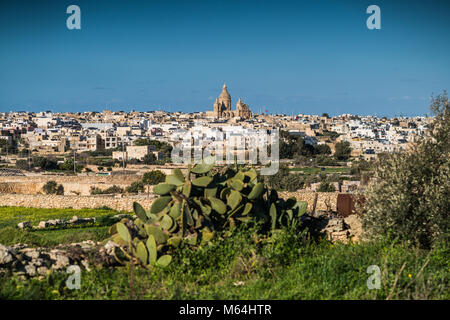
{"points": [[224, 95]]}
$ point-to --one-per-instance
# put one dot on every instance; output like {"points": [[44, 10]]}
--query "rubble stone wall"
{"points": [[72, 184], [325, 200], [74, 202]]}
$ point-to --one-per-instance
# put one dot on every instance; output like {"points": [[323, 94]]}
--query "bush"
{"points": [[409, 197], [326, 187], [45, 163], [284, 180], [22, 164], [135, 187], [323, 160], [153, 177], [342, 150], [51, 187], [111, 190]]}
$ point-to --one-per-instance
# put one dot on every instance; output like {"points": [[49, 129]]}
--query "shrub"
{"points": [[111, 190], [51, 187], [284, 180], [45, 163], [326, 187], [22, 164], [323, 160], [342, 150], [153, 177], [409, 197], [135, 187]]}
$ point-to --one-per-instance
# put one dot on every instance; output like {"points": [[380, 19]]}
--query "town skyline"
{"points": [[207, 111]]}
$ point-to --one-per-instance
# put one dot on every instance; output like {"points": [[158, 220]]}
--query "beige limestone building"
{"points": [[222, 107]]}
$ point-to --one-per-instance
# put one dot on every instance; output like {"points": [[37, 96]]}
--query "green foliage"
{"points": [[22, 164], [284, 180], [409, 197], [149, 159], [191, 210], [135, 187], [326, 187], [289, 268], [293, 147], [153, 177], [111, 190], [141, 142], [342, 150], [322, 149], [68, 166], [323, 160], [45, 163], [51, 187]]}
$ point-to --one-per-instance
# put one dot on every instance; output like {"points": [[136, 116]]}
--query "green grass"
{"points": [[237, 268], [50, 238], [11, 216], [289, 267], [308, 170]]}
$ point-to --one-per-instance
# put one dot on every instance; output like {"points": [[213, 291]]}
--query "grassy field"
{"points": [[291, 267], [11, 216]]}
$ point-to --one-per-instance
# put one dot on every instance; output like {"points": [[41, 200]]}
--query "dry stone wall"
{"points": [[74, 202], [72, 184], [325, 200]]}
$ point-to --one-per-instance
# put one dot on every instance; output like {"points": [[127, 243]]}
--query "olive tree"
{"points": [[409, 197]]}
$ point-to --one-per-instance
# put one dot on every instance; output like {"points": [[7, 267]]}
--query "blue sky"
{"points": [[284, 56]]}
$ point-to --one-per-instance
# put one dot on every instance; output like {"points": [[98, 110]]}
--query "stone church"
{"points": [[222, 107]]}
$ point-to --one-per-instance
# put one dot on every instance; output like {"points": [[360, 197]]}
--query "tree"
{"points": [[326, 187], [135, 187], [45, 163], [163, 147], [409, 196], [342, 150], [141, 142], [152, 178], [323, 149], [22, 164], [51, 187], [149, 159]]}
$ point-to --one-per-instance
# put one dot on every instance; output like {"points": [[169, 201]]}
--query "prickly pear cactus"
{"points": [[191, 209]]}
